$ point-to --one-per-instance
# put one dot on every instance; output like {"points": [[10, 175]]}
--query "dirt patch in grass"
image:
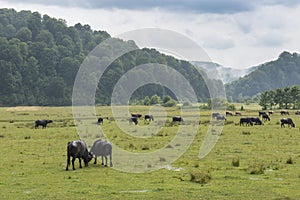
{"points": [[25, 108]]}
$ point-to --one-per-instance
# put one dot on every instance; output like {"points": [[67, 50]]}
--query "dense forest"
{"points": [[286, 98], [40, 57], [283, 72]]}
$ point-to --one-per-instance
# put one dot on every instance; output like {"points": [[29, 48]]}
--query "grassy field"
{"points": [[258, 162]]}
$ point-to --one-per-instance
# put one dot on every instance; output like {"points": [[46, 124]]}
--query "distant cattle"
{"points": [[271, 112], [260, 113], [149, 117], [284, 112], [246, 120], [102, 148], [214, 115], [42, 123], [238, 113], [78, 149], [287, 121], [256, 120], [137, 115], [297, 112], [133, 120], [266, 117], [229, 113], [221, 117], [100, 120], [177, 119]]}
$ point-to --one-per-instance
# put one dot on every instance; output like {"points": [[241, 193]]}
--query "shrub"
{"points": [[289, 161], [236, 162], [256, 168], [199, 177]]}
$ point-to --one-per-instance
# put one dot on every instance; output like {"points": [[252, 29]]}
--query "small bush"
{"points": [[289, 161], [199, 177], [256, 168], [236, 162]]}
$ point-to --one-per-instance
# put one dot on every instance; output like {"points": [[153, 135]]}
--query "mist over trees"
{"points": [[285, 71], [40, 57]]}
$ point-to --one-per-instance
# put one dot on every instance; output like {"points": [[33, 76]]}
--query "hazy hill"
{"points": [[285, 71], [226, 74]]}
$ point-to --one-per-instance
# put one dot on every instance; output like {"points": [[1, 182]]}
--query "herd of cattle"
{"points": [[78, 149], [250, 121]]}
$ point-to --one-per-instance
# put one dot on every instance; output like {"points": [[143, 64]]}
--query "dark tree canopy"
{"points": [[40, 57]]}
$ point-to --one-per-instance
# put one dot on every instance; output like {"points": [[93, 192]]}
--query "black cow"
{"points": [[177, 119], [214, 115], [288, 121], [221, 117], [271, 112], [256, 120], [229, 113], [284, 112], [297, 112], [133, 120], [246, 120], [266, 117], [42, 123], [136, 115], [78, 149], [100, 120], [149, 117], [238, 113], [260, 113]]}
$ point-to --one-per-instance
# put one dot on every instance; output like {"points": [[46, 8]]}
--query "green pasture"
{"points": [[248, 162]]}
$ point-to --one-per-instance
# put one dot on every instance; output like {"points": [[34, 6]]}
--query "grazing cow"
{"points": [[150, 117], [246, 120], [266, 117], [214, 115], [136, 115], [297, 112], [177, 119], [42, 123], [221, 117], [256, 120], [100, 120], [78, 149], [288, 121], [260, 113], [229, 113], [271, 112], [238, 113], [102, 148], [133, 120], [284, 112]]}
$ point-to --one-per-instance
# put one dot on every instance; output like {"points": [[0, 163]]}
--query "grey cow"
{"points": [[102, 148]]}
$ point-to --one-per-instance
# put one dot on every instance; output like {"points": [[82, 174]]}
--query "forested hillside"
{"points": [[283, 72], [40, 57]]}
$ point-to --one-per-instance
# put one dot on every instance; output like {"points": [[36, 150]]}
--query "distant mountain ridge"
{"points": [[280, 73], [226, 74]]}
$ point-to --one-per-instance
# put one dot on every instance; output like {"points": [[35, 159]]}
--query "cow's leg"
{"points": [[102, 160], [68, 163], [80, 162], [95, 162], [73, 160], [110, 159], [105, 161]]}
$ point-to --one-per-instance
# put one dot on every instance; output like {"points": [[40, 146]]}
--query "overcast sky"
{"points": [[234, 33]]}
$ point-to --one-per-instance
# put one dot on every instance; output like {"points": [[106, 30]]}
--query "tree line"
{"points": [[40, 57], [283, 98]]}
